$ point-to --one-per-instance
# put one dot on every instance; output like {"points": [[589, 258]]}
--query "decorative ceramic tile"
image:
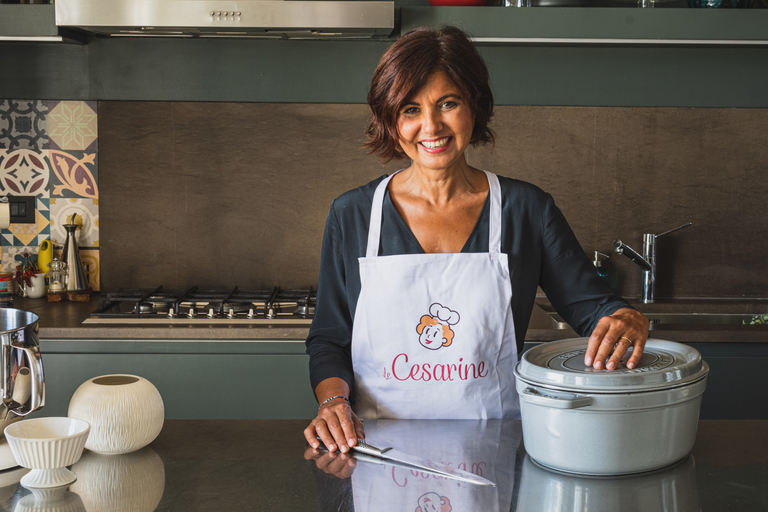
{"points": [[72, 125], [74, 174], [87, 211], [13, 256], [24, 172], [91, 266], [24, 234], [23, 124], [43, 219], [64, 166]]}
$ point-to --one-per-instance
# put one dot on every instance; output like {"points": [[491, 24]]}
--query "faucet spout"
{"points": [[646, 261], [632, 254]]}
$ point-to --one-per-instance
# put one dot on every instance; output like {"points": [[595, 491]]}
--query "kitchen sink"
{"points": [[689, 313], [658, 319]]}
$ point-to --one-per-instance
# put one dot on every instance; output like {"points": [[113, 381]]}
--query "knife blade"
{"points": [[399, 458]]}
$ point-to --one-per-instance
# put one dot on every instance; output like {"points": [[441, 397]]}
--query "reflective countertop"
{"points": [[234, 465]]}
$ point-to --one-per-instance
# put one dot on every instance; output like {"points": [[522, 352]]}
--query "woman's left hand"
{"points": [[612, 338]]}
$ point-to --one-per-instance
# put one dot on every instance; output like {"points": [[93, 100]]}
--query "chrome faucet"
{"points": [[646, 261]]}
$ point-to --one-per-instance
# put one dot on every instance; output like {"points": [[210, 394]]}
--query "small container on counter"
{"points": [[57, 276], [6, 289]]}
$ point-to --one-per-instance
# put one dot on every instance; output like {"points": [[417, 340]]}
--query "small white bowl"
{"points": [[47, 446]]}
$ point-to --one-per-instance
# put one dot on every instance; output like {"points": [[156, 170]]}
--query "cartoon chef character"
{"points": [[435, 328], [433, 502]]}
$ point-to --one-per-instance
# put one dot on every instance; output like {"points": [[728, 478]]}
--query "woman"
{"points": [[445, 240]]}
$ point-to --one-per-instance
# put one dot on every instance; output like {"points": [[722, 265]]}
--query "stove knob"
{"points": [[170, 313], [211, 314], [231, 313], [191, 313], [271, 312], [250, 314]]}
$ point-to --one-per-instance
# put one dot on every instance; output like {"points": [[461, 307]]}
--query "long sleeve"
{"points": [[569, 279], [329, 341]]}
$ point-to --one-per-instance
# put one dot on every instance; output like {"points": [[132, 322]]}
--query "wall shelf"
{"points": [[598, 25]]}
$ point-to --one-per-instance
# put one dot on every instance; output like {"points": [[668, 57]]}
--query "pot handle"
{"points": [[558, 399]]}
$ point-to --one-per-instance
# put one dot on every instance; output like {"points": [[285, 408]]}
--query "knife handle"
{"points": [[368, 449]]}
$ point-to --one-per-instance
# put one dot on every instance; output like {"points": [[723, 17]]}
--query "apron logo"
{"points": [[434, 329], [433, 502]]}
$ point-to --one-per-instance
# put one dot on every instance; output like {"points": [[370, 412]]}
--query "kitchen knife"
{"points": [[405, 459]]}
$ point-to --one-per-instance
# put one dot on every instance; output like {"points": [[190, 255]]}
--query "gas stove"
{"points": [[205, 306]]}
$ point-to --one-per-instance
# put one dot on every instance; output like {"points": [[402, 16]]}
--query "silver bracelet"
{"points": [[334, 398]]}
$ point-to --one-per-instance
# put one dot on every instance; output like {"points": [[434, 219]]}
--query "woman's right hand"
{"points": [[336, 425]]}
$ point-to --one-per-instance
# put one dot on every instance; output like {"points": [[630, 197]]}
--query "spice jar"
{"points": [[56, 276]]}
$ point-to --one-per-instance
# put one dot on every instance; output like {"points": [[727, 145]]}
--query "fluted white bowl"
{"points": [[47, 445]]}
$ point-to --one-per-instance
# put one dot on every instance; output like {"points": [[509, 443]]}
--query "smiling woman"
{"points": [[444, 238], [408, 66]]}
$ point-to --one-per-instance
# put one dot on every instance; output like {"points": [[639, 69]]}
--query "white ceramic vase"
{"points": [[126, 412]]}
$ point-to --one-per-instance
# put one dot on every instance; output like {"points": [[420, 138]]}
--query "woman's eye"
{"points": [[410, 111], [449, 104]]}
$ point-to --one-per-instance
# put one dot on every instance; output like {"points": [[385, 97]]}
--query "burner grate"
{"points": [[195, 304]]}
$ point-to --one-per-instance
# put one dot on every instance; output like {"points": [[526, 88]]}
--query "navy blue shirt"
{"points": [[538, 241]]}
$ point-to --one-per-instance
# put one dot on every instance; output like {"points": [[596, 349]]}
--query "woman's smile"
{"points": [[436, 145]]}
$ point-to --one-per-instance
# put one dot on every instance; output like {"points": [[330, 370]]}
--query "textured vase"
{"points": [[126, 412]]}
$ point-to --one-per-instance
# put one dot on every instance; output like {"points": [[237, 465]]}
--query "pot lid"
{"points": [[560, 364]]}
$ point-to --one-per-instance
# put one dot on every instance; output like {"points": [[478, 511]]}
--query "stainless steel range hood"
{"points": [[217, 18]]}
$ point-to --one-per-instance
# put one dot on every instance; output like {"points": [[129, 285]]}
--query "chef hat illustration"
{"points": [[443, 314]]}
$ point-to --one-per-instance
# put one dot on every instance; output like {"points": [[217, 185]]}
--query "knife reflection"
{"points": [[367, 452]]}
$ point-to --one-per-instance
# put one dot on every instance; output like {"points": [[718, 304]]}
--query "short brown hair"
{"points": [[404, 69]]}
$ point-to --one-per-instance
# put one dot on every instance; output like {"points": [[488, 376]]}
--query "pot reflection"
{"points": [[131, 482], [671, 489]]}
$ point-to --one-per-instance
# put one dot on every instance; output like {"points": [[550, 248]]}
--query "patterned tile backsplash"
{"points": [[49, 150]]}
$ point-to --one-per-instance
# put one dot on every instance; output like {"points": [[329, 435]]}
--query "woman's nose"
{"points": [[432, 121]]}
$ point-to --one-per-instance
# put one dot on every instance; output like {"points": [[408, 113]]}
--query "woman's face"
{"points": [[435, 125]]}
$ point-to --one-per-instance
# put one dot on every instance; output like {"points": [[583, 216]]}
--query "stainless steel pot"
{"points": [[595, 422]]}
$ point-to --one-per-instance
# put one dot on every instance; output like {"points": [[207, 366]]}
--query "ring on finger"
{"points": [[628, 340]]}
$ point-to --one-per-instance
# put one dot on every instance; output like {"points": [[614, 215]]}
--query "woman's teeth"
{"points": [[435, 143]]}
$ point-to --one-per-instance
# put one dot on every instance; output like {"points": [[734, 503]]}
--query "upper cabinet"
{"points": [[597, 25], [34, 22], [505, 25]]}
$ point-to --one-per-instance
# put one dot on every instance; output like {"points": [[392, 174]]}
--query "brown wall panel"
{"points": [[224, 194]]}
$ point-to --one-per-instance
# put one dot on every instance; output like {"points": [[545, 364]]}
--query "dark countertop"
{"points": [[241, 465], [63, 321]]}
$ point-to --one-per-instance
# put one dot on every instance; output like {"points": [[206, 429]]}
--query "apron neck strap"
{"points": [[494, 227]]}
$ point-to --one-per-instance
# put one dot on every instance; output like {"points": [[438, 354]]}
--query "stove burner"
{"points": [[196, 305]]}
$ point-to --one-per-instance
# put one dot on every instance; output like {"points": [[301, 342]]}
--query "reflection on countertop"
{"points": [[266, 465]]}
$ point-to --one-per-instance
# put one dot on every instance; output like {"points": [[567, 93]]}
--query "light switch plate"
{"points": [[22, 209]]}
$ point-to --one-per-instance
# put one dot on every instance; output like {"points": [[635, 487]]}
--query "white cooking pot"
{"points": [[595, 422]]}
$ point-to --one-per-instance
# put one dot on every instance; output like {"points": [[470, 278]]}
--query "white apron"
{"points": [[433, 336]]}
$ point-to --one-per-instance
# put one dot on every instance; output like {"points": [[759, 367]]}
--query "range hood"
{"points": [[300, 19]]}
